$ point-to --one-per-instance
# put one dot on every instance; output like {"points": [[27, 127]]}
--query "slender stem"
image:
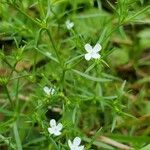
{"points": [[62, 79], [54, 47], [38, 37], [26, 75], [54, 143], [8, 95], [34, 64], [17, 137], [13, 69], [9, 65], [17, 92]]}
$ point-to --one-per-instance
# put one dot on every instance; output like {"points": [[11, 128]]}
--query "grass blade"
{"points": [[91, 77], [17, 137]]}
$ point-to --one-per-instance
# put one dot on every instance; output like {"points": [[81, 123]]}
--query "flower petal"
{"points": [[52, 91], [50, 130], [88, 47], [95, 55], [52, 123], [46, 90], [59, 126], [81, 147], [97, 47], [57, 132], [70, 144], [69, 24], [77, 141], [88, 56]]}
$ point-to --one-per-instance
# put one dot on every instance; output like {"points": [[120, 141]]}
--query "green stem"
{"points": [[9, 65], [17, 136], [8, 95], [16, 95], [13, 69], [54, 47], [62, 79], [54, 143]]}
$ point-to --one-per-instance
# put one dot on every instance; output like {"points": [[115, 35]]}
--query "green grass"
{"points": [[103, 101]]}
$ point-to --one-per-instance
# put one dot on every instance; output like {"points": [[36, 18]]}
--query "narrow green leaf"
{"points": [[91, 77], [138, 13], [47, 55], [74, 58], [35, 141], [147, 147], [17, 137], [90, 68]]}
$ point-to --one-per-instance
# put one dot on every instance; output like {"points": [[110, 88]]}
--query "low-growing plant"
{"points": [[74, 74]]}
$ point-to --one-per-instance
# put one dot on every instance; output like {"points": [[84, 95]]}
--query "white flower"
{"points": [[92, 52], [75, 145], [49, 91], [69, 24], [55, 129]]}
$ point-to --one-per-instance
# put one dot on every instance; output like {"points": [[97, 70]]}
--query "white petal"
{"points": [[46, 90], [59, 126], [88, 56], [95, 55], [57, 133], [52, 123], [81, 148], [88, 47], [50, 130], [97, 47], [52, 91], [70, 144], [77, 141], [69, 24]]}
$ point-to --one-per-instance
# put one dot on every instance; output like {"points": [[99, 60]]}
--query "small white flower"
{"points": [[49, 91], [55, 129], [75, 145], [69, 24], [92, 52]]}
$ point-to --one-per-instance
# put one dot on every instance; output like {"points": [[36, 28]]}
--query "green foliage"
{"points": [[106, 97]]}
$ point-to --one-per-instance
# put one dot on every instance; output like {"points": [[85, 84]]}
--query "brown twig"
{"points": [[114, 143]]}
